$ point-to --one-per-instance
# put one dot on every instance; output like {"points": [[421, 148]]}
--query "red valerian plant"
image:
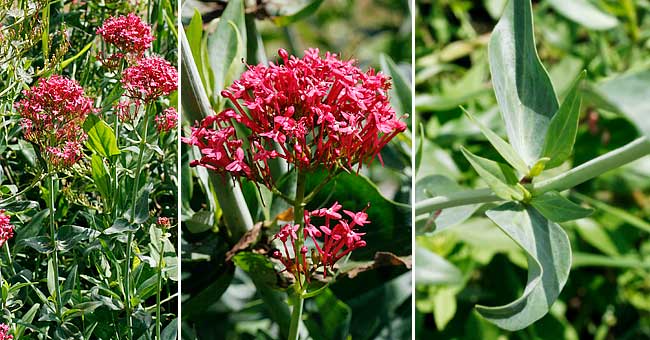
{"points": [[312, 112], [340, 237], [128, 33], [53, 113], [150, 78], [6, 229], [4, 332]]}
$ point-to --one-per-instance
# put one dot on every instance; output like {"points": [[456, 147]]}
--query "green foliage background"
{"points": [[606, 296]]}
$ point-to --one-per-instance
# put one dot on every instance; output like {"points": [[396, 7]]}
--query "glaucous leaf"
{"points": [[523, 88], [584, 13], [561, 133], [499, 177], [558, 208], [548, 252], [629, 94]]}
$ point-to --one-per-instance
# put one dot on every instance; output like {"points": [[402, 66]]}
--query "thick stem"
{"points": [[298, 219], [567, 180], [296, 316], [55, 253]]}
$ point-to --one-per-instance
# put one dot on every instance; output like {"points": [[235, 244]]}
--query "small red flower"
{"points": [[53, 113], [163, 222], [6, 232], [150, 78], [128, 33], [339, 238], [167, 120]]}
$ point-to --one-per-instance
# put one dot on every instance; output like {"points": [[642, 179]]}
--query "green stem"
{"points": [[296, 315], [567, 180], [138, 171], [55, 253], [160, 262], [116, 182], [298, 218]]}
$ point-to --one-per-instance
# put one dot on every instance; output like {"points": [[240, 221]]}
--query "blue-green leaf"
{"points": [[559, 209], [499, 177], [561, 134], [523, 89], [227, 45], [548, 252], [400, 94], [629, 94], [584, 13]]}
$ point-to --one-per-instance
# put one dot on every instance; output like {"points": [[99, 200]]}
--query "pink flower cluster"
{"points": [[167, 121], [310, 111], [6, 232], [150, 78], [128, 33], [53, 113], [339, 238]]}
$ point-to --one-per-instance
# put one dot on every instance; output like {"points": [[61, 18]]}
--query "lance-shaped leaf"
{"points": [[561, 134], [227, 45], [503, 148], [401, 91], [584, 13], [548, 252], [498, 176], [559, 209], [629, 94], [522, 85]]}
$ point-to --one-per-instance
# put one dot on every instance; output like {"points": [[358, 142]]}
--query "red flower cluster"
{"points": [[53, 113], [6, 232], [4, 332], [149, 79], [163, 222], [339, 239], [167, 121], [128, 33], [310, 111]]}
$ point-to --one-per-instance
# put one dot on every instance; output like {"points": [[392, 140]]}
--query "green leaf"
{"points": [[561, 133], [584, 13], [522, 85], [499, 177], [400, 94], [227, 45], [258, 266], [548, 253], [629, 94], [438, 185], [101, 138], [68, 61], [300, 14], [194, 34], [503, 148], [100, 175], [444, 306], [433, 269], [170, 331], [51, 277], [334, 316], [557, 208], [420, 145]]}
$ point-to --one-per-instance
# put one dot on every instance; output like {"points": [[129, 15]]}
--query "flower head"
{"points": [[163, 222], [4, 332], [128, 33], [150, 78], [53, 113], [167, 120], [6, 232], [312, 111], [333, 240]]}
